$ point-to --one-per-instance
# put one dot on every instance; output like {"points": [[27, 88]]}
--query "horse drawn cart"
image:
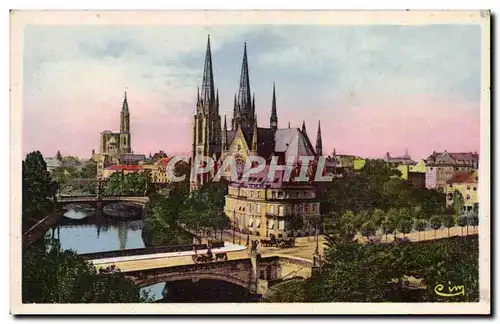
{"points": [[209, 257]]}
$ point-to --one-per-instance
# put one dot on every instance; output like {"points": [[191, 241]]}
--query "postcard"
{"points": [[250, 162]]}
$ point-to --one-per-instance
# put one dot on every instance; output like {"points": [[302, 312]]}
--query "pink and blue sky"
{"points": [[376, 89]]}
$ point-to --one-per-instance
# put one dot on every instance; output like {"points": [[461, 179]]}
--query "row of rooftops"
{"points": [[463, 177]]}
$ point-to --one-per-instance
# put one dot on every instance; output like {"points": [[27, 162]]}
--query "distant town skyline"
{"points": [[376, 89]]}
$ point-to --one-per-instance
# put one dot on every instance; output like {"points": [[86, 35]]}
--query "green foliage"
{"points": [[420, 225], [37, 186], [344, 276], [376, 187], [131, 184], [436, 223], [473, 219], [378, 216], [291, 291], [405, 225], [89, 170], [458, 202], [448, 221], [368, 229], [56, 276]]}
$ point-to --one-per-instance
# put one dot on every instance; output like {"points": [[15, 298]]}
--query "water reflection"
{"points": [[98, 236], [77, 214], [155, 291]]}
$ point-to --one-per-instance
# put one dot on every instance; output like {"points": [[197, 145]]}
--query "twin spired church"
{"points": [[258, 206]]}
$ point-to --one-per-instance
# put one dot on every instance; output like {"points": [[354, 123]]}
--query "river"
{"points": [[82, 232]]}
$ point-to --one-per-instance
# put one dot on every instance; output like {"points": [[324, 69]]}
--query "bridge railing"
{"points": [[146, 251], [234, 265]]}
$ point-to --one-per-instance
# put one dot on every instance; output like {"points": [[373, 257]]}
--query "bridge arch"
{"points": [[172, 277]]}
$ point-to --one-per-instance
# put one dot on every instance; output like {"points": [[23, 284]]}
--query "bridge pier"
{"points": [[254, 279]]}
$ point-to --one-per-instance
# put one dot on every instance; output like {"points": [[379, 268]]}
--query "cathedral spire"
{"points": [[319, 142], [244, 99], [217, 98], [304, 126], [207, 87], [288, 124], [274, 115]]}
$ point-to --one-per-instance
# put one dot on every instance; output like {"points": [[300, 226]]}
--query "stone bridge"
{"points": [[99, 202], [255, 273]]}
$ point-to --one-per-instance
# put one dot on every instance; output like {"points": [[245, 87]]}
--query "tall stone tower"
{"points": [[125, 145], [207, 122], [244, 108]]}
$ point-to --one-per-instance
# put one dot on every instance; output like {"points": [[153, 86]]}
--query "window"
{"points": [[306, 208], [258, 194], [281, 225], [281, 210], [468, 197], [468, 187], [273, 194], [475, 188], [271, 210], [250, 207], [258, 208]]}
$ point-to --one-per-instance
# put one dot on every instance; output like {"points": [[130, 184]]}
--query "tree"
{"points": [[388, 226], [420, 225], [458, 202], [368, 229], [405, 225], [59, 156], [462, 222], [37, 186], [291, 291], [473, 219], [89, 170], [448, 222], [393, 216], [435, 223], [378, 216], [54, 276]]}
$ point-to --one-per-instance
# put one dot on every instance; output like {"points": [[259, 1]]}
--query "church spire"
{"points": [[274, 115], [244, 99], [124, 116], [288, 124], [217, 98], [207, 87], [304, 126], [319, 142]]}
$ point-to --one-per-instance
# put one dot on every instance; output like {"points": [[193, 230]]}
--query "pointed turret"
{"points": [[274, 115], [254, 138], [235, 113], [244, 99], [217, 98], [288, 124], [224, 135], [304, 126], [319, 142], [207, 87], [334, 152], [198, 95]]}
